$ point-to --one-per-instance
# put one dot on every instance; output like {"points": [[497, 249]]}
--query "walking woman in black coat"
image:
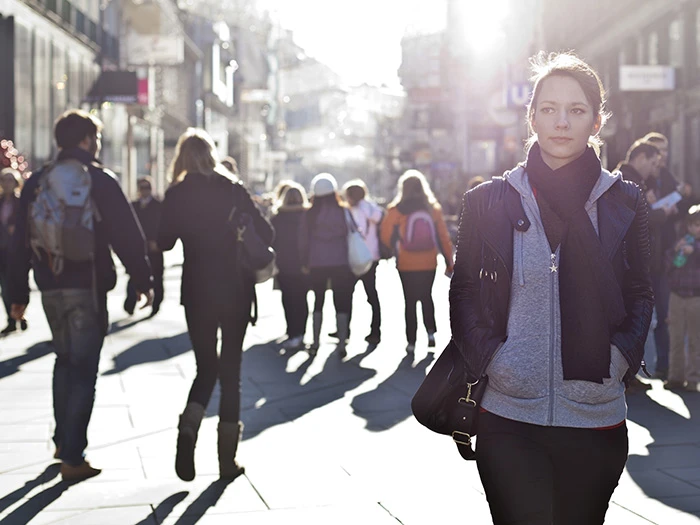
{"points": [[216, 294], [10, 184]]}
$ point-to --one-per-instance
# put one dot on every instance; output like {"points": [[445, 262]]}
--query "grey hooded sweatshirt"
{"points": [[526, 379]]}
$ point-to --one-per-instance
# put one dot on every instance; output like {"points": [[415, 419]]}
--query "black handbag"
{"points": [[255, 256], [447, 403]]}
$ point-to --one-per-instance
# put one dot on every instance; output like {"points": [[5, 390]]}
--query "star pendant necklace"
{"points": [[554, 268]]}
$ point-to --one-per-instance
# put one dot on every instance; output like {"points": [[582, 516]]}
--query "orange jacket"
{"points": [[416, 261]]}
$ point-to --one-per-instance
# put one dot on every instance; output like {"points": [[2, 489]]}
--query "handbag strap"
{"points": [[350, 221]]}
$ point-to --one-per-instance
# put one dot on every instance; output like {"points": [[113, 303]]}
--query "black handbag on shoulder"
{"points": [[447, 403], [255, 256]]}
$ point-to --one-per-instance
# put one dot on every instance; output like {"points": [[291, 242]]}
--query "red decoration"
{"points": [[11, 158]]}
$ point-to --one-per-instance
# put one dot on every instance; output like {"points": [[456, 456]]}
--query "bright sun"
{"points": [[361, 39]]}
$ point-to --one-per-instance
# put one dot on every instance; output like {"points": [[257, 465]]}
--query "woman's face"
{"points": [[563, 120]]}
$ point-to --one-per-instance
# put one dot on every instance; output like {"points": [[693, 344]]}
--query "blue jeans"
{"points": [[78, 329]]}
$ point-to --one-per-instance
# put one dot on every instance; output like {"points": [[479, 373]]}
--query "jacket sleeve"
{"points": [[168, 227], [375, 213], [20, 254], [630, 335], [444, 236], [388, 224], [123, 230], [469, 329], [304, 240]]}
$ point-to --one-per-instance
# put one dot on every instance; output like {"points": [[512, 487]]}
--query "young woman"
{"points": [[292, 282], [10, 184], [324, 256], [216, 294], [551, 300], [415, 226], [367, 215]]}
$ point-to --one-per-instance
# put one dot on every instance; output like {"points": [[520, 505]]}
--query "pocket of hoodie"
{"points": [[518, 371], [587, 392]]}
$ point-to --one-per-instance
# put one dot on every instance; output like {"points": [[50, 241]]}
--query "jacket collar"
{"points": [[77, 154]]}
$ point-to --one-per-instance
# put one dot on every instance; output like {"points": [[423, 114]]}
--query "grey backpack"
{"points": [[62, 217]]}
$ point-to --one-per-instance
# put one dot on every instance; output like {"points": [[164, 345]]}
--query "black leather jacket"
{"points": [[480, 287]]}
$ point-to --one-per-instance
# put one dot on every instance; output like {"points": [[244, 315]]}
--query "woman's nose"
{"points": [[562, 122]]}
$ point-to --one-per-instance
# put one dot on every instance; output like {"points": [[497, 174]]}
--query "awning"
{"points": [[115, 86]]}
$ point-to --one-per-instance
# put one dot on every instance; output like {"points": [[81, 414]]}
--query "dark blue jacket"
{"points": [[117, 229]]}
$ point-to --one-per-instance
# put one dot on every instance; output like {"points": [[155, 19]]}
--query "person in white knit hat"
{"points": [[324, 255]]}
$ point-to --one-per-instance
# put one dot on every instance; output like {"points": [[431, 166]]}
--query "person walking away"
{"points": [[10, 186], [216, 292], [148, 209], [683, 263], [415, 226], [292, 282], [550, 303], [367, 215], [74, 270], [663, 236], [324, 256]]}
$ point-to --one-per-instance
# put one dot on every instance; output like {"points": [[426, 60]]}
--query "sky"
{"points": [[359, 39]]}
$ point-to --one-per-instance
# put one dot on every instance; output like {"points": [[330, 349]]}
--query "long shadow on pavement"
{"points": [[671, 471], [197, 509], [33, 506], [37, 351], [164, 508], [390, 403], [150, 351], [285, 398], [49, 473]]}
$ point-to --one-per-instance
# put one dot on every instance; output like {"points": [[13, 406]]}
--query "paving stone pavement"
{"points": [[327, 440]]}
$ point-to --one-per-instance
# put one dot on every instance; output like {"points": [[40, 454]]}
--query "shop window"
{"points": [[42, 99], [653, 49], [675, 43], [60, 80], [24, 106]]}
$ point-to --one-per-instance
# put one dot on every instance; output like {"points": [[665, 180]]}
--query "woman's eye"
{"points": [[578, 111], [547, 110]]}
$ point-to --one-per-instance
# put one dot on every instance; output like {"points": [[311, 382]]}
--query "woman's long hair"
{"points": [[413, 187], [293, 195], [196, 153]]}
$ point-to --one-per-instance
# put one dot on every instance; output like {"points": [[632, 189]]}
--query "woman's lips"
{"points": [[561, 140]]}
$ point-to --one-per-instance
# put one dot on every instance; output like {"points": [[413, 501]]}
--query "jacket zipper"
{"points": [[553, 275]]}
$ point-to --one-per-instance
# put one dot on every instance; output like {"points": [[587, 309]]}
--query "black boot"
{"points": [[11, 327], [229, 435], [190, 420]]}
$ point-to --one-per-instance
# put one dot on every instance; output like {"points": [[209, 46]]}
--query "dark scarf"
{"points": [[590, 297]]}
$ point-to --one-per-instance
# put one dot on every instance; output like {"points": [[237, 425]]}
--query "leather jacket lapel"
{"points": [[614, 220]]}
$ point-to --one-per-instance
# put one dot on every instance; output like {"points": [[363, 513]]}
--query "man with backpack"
{"points": [[71, 212]]}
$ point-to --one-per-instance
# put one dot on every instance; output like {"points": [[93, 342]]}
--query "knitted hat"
{"points": [[323, 184]]}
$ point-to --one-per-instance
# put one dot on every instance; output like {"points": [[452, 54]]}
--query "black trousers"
{"points": [[369, 281], [203, 325], [294, 288], [418, 286], [156, 261], [535, 475], [342, 283]]}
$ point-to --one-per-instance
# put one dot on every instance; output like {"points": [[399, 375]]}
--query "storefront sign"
{"points": [[647, 78], [149, 50]]}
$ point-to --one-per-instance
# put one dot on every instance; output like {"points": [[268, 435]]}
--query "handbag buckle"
{"points": [[468, 399], [462, 438]]}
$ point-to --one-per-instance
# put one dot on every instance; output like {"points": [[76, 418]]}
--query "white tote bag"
{"points": [[359, 255]]}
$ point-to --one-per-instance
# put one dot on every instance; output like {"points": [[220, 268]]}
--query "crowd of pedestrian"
{"points": [[71, 215]]}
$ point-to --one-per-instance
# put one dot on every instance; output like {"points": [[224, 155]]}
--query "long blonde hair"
{"points": [[413, 185], [196, 153]]}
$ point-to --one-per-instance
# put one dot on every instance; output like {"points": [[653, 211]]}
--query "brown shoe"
{"points": [[79, 473], [635, 385]]}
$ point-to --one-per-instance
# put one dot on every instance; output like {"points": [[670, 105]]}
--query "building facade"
{"points": [[648, 54]]}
